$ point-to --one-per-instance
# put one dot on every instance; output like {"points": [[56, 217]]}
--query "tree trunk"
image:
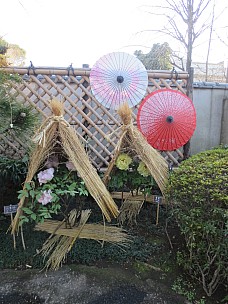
{"points": [[189, 69], [209, 42], [190, 35]]}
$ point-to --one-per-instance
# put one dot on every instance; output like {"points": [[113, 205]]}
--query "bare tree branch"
{"points": [[190, 13]]}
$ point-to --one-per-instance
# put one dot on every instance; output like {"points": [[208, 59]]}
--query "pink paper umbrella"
{"points": [[167, 119], [117, 78]]}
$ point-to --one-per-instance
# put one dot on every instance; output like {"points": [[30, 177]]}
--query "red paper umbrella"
{"points": [[167, 119], [117, 78]]}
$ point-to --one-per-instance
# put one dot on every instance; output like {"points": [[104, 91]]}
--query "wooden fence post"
{"points": [[189, 93]]}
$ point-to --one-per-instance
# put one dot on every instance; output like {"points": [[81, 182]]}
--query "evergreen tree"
{"points": [[16, 119], [158, 58]]}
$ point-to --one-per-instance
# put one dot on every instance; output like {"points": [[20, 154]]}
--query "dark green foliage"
{"points": [[131, 180], [199, 193], [83, 251], [16, 119], [13, 171], [88, 251], [158, 57], [18, 258], [12, 175]]}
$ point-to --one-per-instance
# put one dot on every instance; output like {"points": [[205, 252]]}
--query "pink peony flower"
{"points": [[45, 176], [70, 166], [46, 197]]}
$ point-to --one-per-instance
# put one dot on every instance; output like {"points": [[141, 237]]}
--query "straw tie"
{"points": [[124, 128], [40, 138]]}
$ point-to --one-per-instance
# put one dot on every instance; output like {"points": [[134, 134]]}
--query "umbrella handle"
{"points": [[169, 119]]}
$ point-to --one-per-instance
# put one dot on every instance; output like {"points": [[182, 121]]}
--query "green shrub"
{"points": [[12, 170], [12, 175], [198, 191]]}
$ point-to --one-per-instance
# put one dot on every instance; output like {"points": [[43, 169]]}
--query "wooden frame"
{"points": [[92, 122]]}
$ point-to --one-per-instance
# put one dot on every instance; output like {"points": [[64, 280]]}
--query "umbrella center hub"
{"points": [[120, 79], [169, 119]]}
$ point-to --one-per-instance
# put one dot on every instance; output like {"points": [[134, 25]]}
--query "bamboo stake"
{"points": [[81, 72], [14, 238], [157, 214]]}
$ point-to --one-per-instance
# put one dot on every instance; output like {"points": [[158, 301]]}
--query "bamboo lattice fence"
{"points": [[97, 127]]}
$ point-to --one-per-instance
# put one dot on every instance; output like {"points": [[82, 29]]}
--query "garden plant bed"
{"points": [[145, 273]]}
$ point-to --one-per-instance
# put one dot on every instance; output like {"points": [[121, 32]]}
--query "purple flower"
{"points": [[45, 176], [46, 197], [70, 166]]}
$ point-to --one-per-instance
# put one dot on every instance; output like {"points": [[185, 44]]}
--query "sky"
{"points": [[63, 32]]}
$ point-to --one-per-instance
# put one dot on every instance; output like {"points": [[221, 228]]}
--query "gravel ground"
{"points": [[84, 285]]}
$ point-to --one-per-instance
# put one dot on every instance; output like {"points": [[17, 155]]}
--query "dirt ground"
{"points": [[78, 284]]}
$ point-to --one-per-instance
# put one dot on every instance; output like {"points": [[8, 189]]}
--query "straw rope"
{"points": [[73, 116], [40, 138]]}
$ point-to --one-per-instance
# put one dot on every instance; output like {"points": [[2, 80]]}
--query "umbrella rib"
{"points": [[152, 119], [104, 82]]}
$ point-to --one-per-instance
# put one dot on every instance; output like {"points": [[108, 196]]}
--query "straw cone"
{"points": [[135, 140], [55, 127]]}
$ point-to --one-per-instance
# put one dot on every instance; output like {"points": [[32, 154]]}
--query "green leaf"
{"points": [[28, 186], [33, 216], [27, 210], [23, 193], [72, 186], [32, 193]]}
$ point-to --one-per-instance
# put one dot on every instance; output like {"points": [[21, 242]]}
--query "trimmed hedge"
{"points": [[198, 190]]}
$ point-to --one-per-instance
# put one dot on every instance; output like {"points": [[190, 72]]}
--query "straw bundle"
{"points": [[57, 246], [128, 211], [133, 139], [73, 148], [97, 232], [62, 239], [56, 128], [155, 163]]}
